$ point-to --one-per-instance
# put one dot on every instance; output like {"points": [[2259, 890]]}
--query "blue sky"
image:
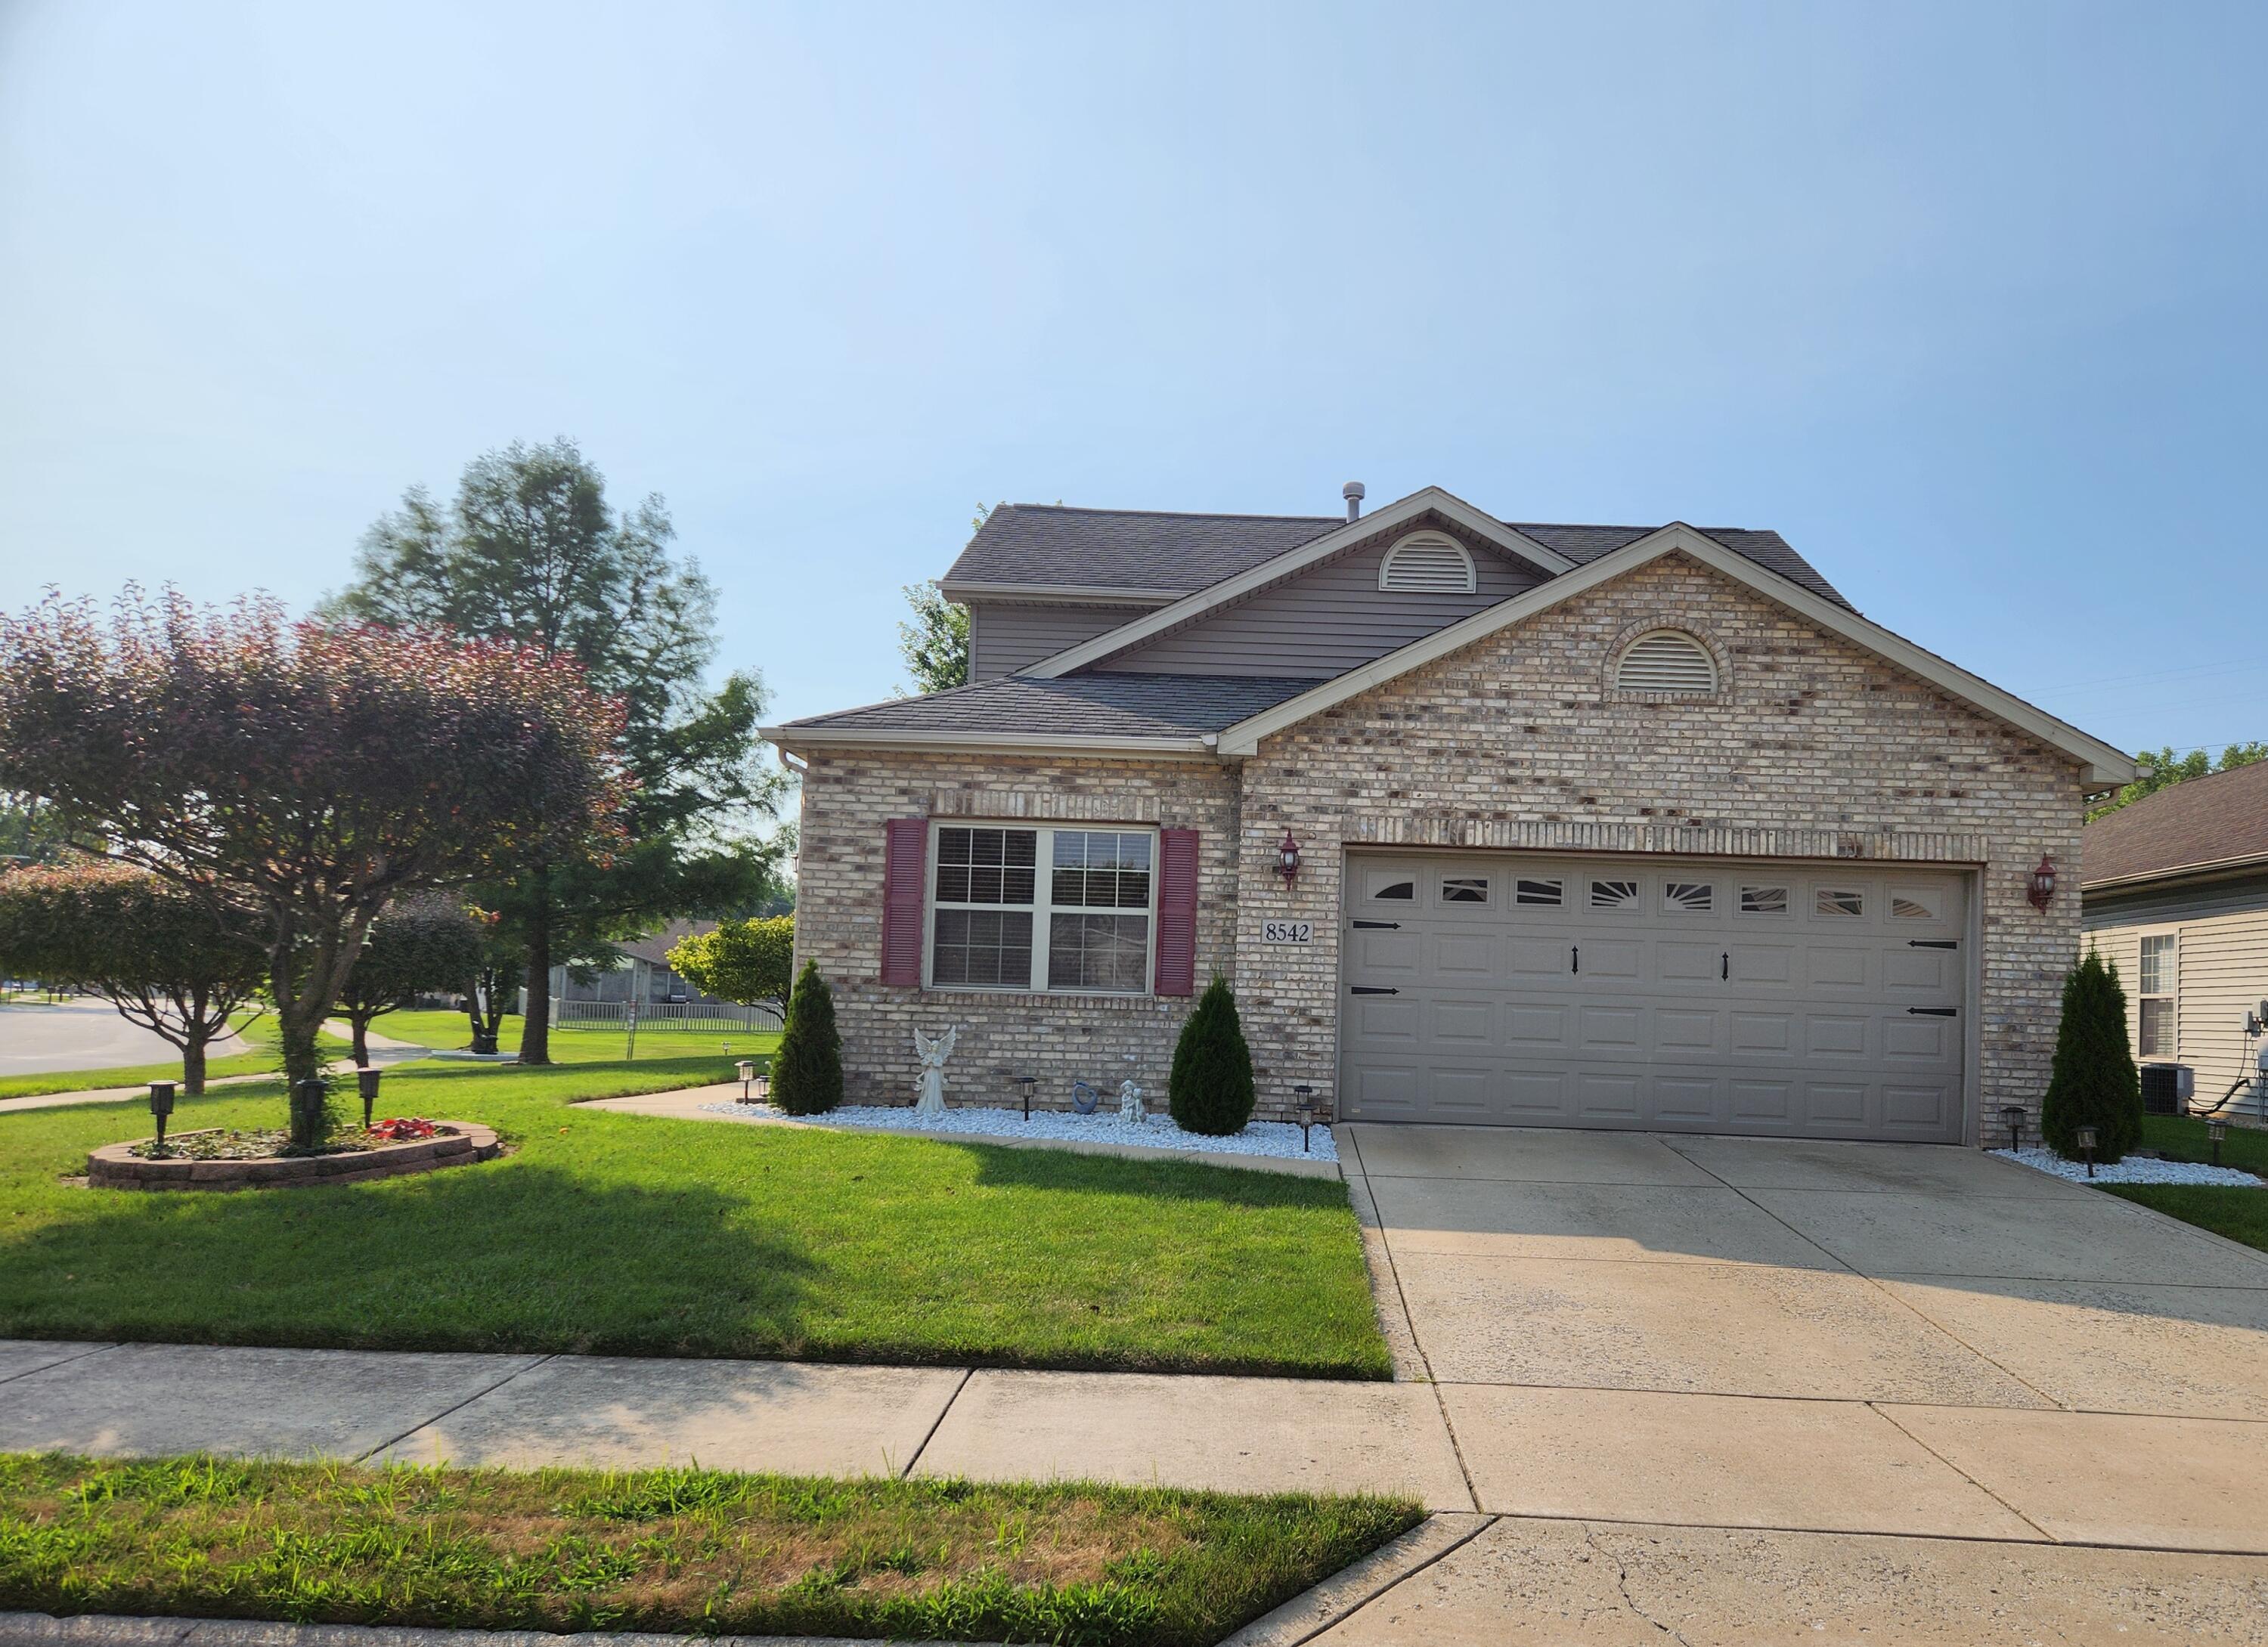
{"points": [[1966, 300]]}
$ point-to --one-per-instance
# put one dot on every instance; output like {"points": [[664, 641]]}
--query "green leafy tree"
{"points": [[530, 552], [2167, 769], [147, 946], [1211, 1089], [748, 962], [298, 778], [30, 833], [2093, 1082], [419, 945], [934, 641], [495, 982], [807, 1073]]}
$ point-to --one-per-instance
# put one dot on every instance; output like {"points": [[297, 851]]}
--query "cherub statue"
{"points": [[929, 1091], [1130, 1101]]}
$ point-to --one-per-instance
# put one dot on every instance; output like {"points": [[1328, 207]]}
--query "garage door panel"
{"points": [[1762, 998]]}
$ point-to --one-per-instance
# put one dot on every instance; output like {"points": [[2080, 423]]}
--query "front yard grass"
{"points": [[636, 1235], [2238, 1213], [453, 1032], [691, 1551]]}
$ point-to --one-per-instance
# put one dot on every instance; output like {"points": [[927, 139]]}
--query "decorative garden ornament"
{"points": [[1130, 1101], [929, 1091]]}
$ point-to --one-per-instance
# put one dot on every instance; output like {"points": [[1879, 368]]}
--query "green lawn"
{"points": [[2238, 1213], [453, 1032], [259, 1058], [635, 1235], [692, 1551]]}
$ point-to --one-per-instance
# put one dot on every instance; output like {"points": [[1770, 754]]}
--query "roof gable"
{"points": [[2219, 820], [2102, 763]]}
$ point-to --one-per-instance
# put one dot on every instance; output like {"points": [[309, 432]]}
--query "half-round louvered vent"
{"points": [[1427, 564], [1667, 660]]}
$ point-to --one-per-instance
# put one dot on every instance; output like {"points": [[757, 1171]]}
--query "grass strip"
{"points": [[260, 1057], [607, 1233], [672, 1550], [2234, 1210]]}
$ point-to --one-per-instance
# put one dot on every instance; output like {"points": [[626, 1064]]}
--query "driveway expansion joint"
{"points": [[426, 1423], [936, 1423]]}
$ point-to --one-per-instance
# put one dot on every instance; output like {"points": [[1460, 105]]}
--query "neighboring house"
{"points": [[2176, 897], [644, 975], [1596, 826]]}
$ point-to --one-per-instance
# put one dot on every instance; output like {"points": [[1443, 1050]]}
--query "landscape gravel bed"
{"points": [[2133, 1170], [1155, 1132]]}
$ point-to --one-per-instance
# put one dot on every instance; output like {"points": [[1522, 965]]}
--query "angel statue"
{"points": [[929, 1089], [1130, 1101]]}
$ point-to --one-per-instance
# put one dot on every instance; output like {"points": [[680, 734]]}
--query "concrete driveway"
{"points": [[1887, 1339]]}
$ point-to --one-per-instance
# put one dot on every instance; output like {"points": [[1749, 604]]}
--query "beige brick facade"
{"points": [[1811, 748]]}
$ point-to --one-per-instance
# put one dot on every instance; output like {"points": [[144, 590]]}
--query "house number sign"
{"points": [[1288, 932]]}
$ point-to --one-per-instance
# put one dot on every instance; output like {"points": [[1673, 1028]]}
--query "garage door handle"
{"points": [[1372, 988], [1934, 1011], [1724, 966], [1378, 926], [1933, 943], [1576, 965]]}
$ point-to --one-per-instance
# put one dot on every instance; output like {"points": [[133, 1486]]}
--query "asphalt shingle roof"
{"points": [[1129, 549], [2203, 820], [1097, 705]]}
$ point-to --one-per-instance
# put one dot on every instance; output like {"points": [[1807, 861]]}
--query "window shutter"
{"points": [[905, 870], [1177, 911]]}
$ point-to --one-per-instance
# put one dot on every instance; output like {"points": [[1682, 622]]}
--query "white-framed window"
{"points": [[1428, 563], [2157, 986], [1043, 909]]}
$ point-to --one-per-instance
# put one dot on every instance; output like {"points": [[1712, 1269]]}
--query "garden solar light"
{"points": [[161, 1105], [748, 1078], [367, 1080], [2014, 1115], [1027, 1082], [2087, 1137], [1303, 1099], [2215, 1130]]}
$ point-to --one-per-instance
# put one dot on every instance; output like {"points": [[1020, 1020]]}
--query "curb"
{"points": [[1307, 1615], [98, 1630]]}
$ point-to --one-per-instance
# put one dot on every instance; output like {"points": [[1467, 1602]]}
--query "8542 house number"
{"points": [[1288, 932]]}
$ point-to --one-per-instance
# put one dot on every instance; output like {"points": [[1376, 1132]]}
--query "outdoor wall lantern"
{"points": [[2014, 1115], [161, 1105], [367, 1080], [1303, 1099], [2087, 1137], [2041, 889], [1287, 859], [2215, 1130]]}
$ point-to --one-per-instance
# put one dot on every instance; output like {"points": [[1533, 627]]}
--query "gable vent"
{"points": [[1666, 660], [1427, 564]]}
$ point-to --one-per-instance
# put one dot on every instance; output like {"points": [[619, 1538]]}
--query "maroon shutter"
{"points": [[1177, 911], [905, 868]]}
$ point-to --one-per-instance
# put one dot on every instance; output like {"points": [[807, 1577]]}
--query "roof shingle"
{"points": [[2204, 821], [1096, 705]]}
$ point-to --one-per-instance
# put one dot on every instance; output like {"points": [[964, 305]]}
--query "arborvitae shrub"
{"points": [[1211, 1088], [2094, 1083], [807, 1069]]}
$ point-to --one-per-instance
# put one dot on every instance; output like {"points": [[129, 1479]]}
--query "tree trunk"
{"points": [[535, 1027], [360, 1040], [193, 1066]]}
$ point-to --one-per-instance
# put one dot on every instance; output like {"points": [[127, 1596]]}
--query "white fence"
{"points": [[662, 1017]]}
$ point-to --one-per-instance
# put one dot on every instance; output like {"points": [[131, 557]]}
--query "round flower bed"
{"points": [[219, 1158]]}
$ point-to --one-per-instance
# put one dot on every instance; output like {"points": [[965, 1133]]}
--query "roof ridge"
{"points": [[1164, 514]]}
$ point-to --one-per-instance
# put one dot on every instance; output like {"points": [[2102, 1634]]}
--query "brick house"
{"points": [[1594, 827]]}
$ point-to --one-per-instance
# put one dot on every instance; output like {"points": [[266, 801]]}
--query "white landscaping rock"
{"points": [[1157, 1132], [2133, 1170]]}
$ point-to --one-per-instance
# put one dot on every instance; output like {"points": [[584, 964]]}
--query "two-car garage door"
{"points": [[1792, 999]]}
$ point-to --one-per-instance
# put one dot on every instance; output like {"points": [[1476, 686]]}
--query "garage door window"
{"points": [[1464, 889], [1913, 905], [1545, 892], [1613, 894], [2159, 981], [997, 923], [1764, 900], [1688, 897], [1837, 901]]}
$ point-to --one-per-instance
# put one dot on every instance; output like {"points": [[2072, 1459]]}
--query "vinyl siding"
{"points": [[1004, 638], [2222, 967], [1321, 623]]}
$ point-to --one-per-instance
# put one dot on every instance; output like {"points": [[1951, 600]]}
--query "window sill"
{"points": [[1029, 998]]}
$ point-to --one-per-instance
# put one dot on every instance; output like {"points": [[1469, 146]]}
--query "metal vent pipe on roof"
{"points": [[1353, 493]]}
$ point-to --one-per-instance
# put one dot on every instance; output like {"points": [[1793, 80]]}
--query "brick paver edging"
{"points": [[116, 1167]]}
